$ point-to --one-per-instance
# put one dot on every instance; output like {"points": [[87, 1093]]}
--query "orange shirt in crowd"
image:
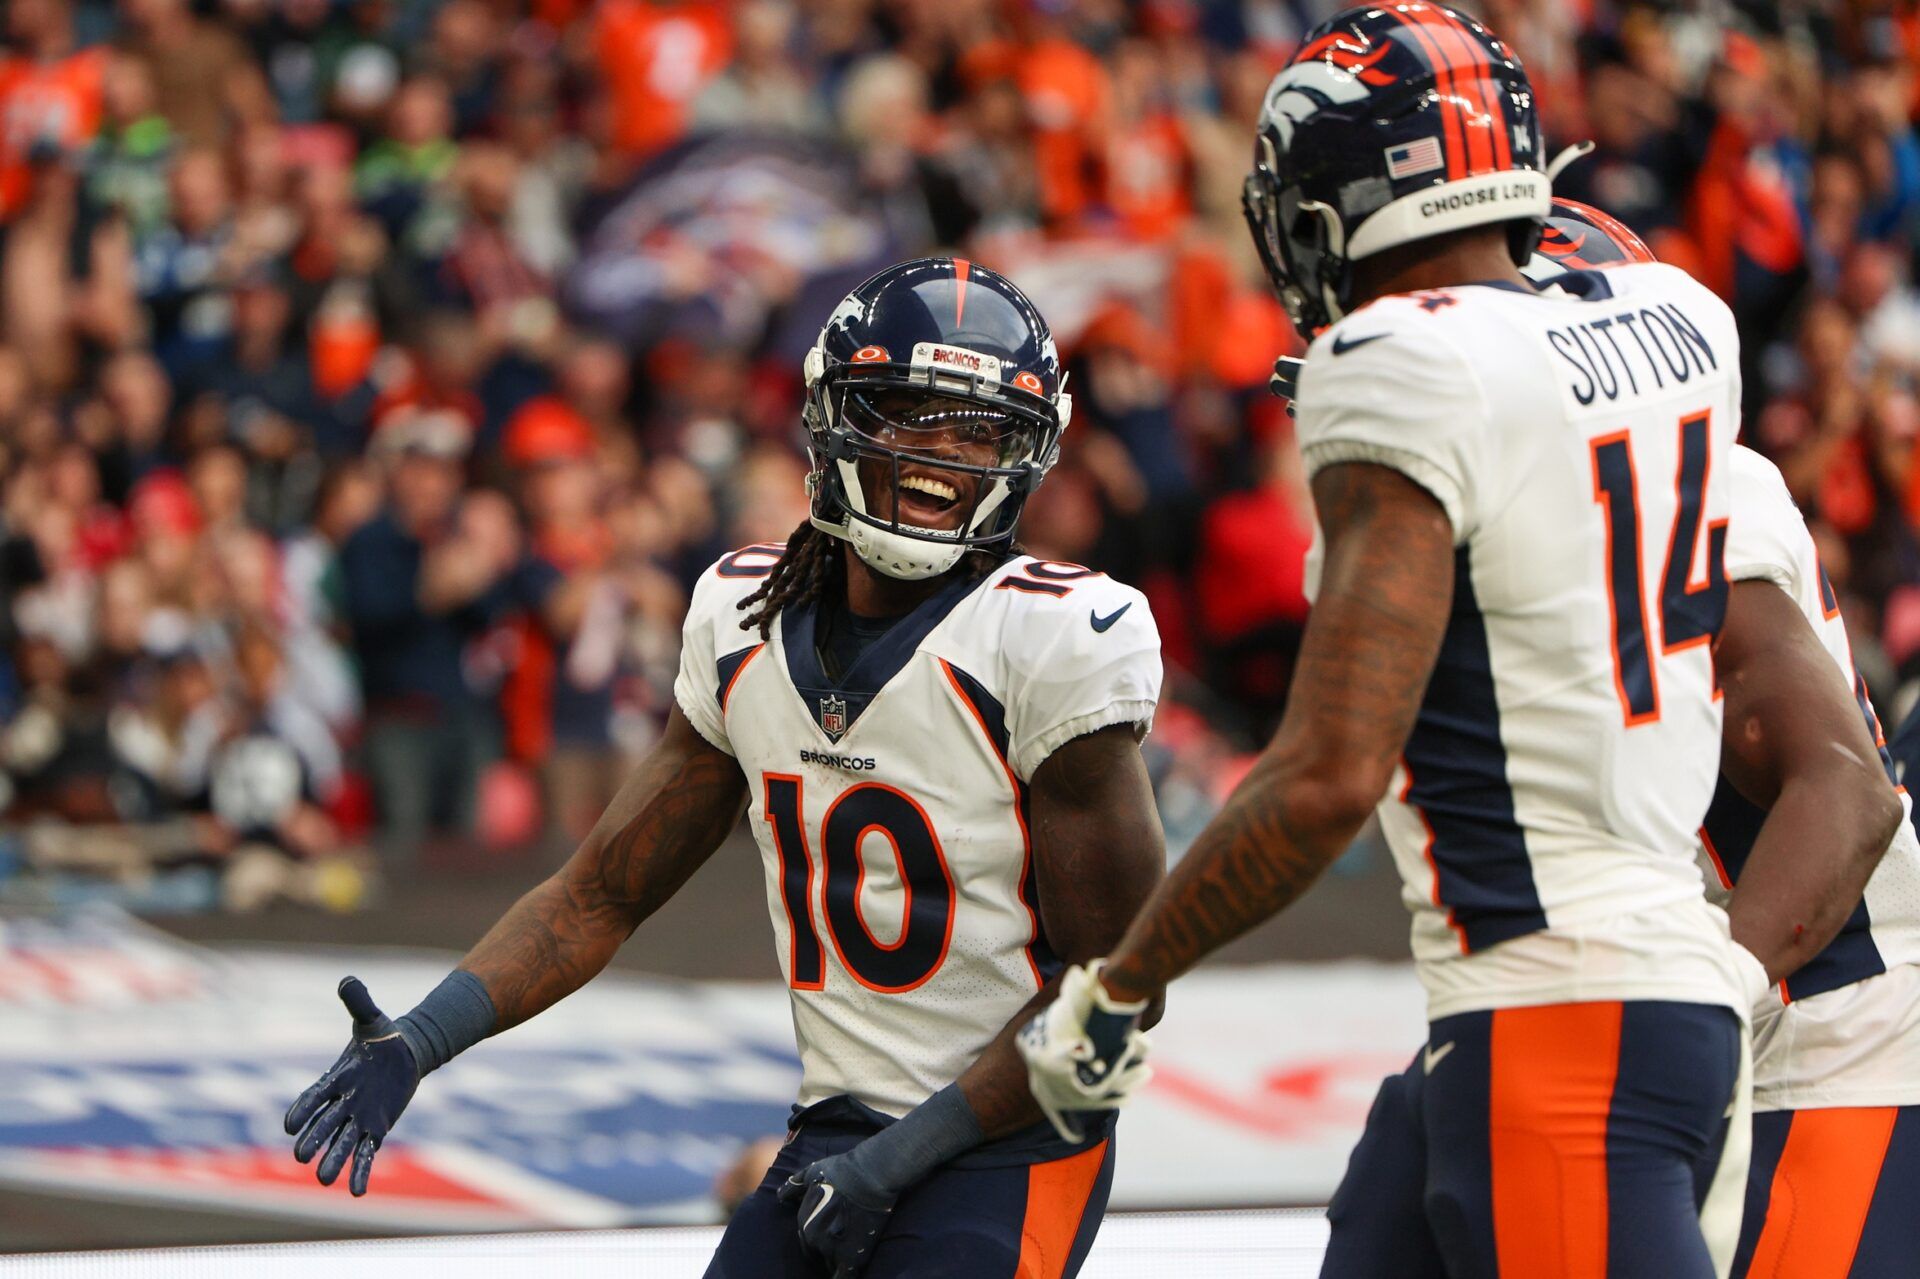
{"points": [[1222, 327], [55, 102], [655, 59], [1739, 206], [1064, 87], [1252, 566], [1147, 165]]}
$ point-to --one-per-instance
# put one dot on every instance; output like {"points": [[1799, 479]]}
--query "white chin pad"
{"points": [[897, 555]]}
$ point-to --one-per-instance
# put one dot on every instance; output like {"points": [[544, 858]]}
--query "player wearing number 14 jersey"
{"points": [[1522, 500], [935, 741]]}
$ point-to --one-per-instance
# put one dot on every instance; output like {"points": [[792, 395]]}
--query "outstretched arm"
{"points": [[1796, 744], [662, 826], [1370, 645], [664, 823]]}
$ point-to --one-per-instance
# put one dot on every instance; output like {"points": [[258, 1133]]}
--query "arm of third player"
{"points": [[1796, 743]]}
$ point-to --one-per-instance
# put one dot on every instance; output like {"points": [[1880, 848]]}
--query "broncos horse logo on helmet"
{"points": [[1390, 124], [1579, 237], [1330, 72], [934, 409]]}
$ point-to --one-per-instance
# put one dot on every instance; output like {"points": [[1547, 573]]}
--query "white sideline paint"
{"points": [[1218, 1245]]}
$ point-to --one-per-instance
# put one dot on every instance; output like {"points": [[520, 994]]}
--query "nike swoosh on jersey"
{"points": [[1341, 345], [1434, 1056], [1103, 624]]}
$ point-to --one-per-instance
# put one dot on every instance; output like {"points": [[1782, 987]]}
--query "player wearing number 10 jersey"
{"points": [[935, 740]]}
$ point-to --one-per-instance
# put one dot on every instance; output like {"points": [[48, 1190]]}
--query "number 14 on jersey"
{"points": [[1689, 611]]}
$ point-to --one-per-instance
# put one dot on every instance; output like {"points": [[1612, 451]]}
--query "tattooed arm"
{"points": [[1370, 645], [1098, 851], [665, 822]]}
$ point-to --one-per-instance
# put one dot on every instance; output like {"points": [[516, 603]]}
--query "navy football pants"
{"points": [[1034, 1221], [1569, 1141], [1834, 1194]]}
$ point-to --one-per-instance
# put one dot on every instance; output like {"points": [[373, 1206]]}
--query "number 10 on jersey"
{"points": [[926, 886], [1690, 612]]}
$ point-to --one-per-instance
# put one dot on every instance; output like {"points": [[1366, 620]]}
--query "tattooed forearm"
{"points": [[1370, 646], [1247, 866], [662, 826]]}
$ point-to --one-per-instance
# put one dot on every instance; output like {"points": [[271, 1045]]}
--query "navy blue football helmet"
{"points": [[934, 409], [1390, 124]]}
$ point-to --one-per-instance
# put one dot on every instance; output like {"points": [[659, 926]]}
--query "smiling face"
{"points": [[930, 433]]}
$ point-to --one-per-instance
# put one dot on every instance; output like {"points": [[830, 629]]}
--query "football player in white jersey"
{"points": [[1835, 1182], [936, 741], [1806, 784], [1522, 499]]}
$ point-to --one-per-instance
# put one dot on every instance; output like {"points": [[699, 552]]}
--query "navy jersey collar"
{"points": [[1509, 285], [1588, 286], [881, 660]]}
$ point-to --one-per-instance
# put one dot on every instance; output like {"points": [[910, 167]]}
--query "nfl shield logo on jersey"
{"points": [[833, 716]]}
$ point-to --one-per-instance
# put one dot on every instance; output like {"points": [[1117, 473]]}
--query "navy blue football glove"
{"points": [[354, 1104], [842, 1211]]}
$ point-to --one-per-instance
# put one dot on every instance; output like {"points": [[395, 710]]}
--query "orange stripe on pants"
{"points": [[1057, 1194], [1821, 1191], [1551, 1090]]}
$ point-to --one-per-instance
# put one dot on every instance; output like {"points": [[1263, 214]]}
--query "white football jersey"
{"points": [[1544, 814], [891, 807], [1844, 1030]]}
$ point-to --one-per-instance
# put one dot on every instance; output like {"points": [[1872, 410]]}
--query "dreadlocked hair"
{"points": [[808, 569], [812, 568]]}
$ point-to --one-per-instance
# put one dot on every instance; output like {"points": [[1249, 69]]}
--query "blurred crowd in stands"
{"points": [[376, 375]]}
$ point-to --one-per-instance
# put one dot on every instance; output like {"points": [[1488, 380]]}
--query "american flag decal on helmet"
{"points": [[1422, 155]]}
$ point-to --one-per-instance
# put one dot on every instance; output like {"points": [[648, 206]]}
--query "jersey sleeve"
{"points": [[1766, 535], [1072, 670], [1384, 387], [711, 641]]}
